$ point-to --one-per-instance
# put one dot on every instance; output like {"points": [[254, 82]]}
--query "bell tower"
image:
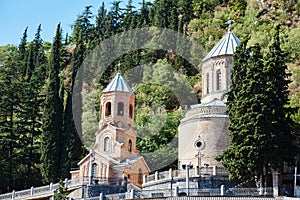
{"points": [[116, 136]]}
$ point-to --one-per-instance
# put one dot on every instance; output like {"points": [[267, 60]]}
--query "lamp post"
{"points": [[199, 145], [91, 167], [187, 177]]}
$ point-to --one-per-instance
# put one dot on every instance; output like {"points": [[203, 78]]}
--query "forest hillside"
{"points": [[40, 141]]}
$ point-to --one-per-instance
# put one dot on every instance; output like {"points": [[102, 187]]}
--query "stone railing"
{"points": [[195, 192], [32, 192], [250, 191], [168, 175], [48, 190]]}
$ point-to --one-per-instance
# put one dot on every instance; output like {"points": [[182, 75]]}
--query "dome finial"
{"points": [[229, 22]]}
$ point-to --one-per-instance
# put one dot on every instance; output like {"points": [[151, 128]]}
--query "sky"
{"points": [[16, 15]]}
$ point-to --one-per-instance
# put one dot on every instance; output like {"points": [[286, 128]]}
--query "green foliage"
{"points": [[260, 130], [29, 121], [84, 25], [52, 116], [61, 193]]}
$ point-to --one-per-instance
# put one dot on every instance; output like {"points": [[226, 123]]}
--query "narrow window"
{"points": [[94, 170], [108, 109], [131, 111], [106, 143], [140, 176], [218, 79], [120, 108], [130, 146], [207, 83]]}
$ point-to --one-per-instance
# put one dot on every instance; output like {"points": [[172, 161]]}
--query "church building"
{"points": [[203, 131], [114, 155]]}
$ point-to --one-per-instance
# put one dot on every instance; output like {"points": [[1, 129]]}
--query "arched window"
{"points": [[130, 146], [106, 143], [130, 111], [120, 108], [207, 83], [94, 170], [107, 109], [218, 79], [140, 176]]}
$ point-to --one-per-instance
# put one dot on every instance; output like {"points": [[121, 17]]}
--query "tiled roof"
{"points": [[118, 84], [226, 46]]}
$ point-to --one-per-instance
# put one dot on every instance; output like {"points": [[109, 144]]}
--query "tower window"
{"points": [[130, 146], [120, 108], [94, 170], [218, 79], [131, 111], [106, 143], [107, 109], [140, 176], [207, 83]]}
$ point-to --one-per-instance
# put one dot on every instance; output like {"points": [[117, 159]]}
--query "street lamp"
{"points": [[91, 167], [187, 178], [199, 145]]}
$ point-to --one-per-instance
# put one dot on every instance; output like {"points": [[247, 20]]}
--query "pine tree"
{"points": [[22, 48], [52, 116], [10, 96], [130, 17], [100, 22], [144, 18], [162, 12], [83, 24], [116, 16]]}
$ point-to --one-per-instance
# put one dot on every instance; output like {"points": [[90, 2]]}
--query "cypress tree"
{"points": [[72, 144], [280, 125], [259, 128], [52, 116]]}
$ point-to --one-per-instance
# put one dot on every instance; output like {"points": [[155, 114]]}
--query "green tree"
{"points": [[280, 125], [32, 105], [259, 128], [22, 48], [185, 10], [11, 95], [100, 22], [52, 116], [72, 148], [83, 24], [144, 18]]}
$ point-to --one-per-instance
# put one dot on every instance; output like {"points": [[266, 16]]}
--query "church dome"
{"points": [[118, 84], [226, 46]]}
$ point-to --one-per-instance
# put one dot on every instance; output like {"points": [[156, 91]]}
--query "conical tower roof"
{"points": [[118, 84], [226, 46]]}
